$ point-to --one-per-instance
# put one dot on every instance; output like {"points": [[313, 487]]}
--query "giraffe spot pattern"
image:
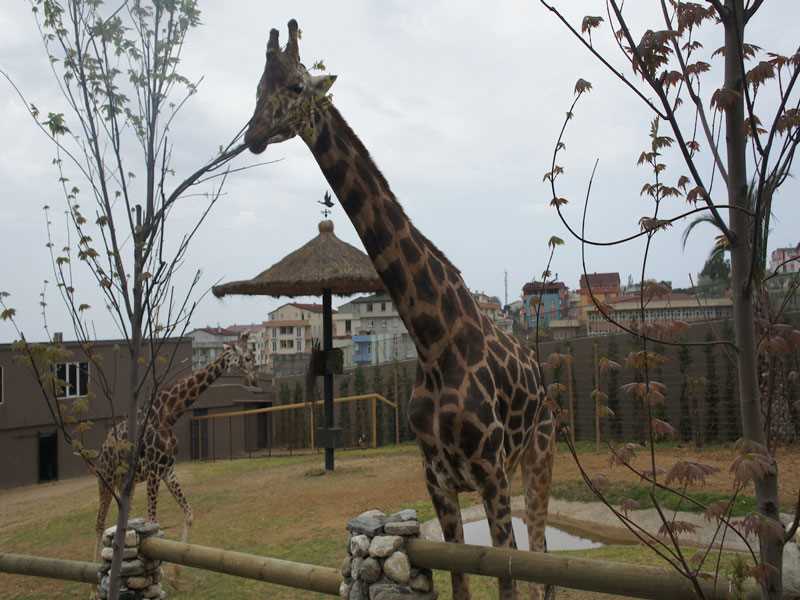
{"points": [[428, 328], [436, 268], [410, 250], [337, 175], [424, 286], [353, 201], [395, 274], [469, 343], [395, 215], [323, 142]]}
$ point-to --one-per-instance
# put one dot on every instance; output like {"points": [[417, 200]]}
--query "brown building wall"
{"points": [[25, 418]]}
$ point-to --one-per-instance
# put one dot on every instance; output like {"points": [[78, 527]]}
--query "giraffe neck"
{"points": [[177, 399], [427, 289]]}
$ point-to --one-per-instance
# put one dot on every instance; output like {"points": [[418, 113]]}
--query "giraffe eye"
{"points": [[297, 88]]}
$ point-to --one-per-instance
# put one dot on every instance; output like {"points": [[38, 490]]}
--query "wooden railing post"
{"points": [[374, 421]]}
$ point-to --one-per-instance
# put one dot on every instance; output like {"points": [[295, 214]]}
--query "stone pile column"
{"points": [[141, 577], [377, 566]]}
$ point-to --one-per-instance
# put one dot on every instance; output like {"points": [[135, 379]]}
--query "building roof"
{"points": [[316, 308], [325, 262], [599, 280], [75, 344], [537, 287], [236, 329], [489, 305], [379, 297], [786, 250], [673, 301], [222, 331]]}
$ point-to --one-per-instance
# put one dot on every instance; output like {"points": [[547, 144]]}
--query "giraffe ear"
{"points": [[226, 347], [320, 84]]}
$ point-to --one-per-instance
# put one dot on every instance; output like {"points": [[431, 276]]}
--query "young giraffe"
{"points": [[159, 444], [477, 406]]}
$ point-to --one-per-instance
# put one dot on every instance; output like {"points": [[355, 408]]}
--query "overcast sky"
{"points": [[460, 106]]}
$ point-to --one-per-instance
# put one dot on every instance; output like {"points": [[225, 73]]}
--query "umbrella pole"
{"points": [[327, 346]]}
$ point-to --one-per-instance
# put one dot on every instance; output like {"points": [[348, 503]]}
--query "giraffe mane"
{"points": [[359, 146]]}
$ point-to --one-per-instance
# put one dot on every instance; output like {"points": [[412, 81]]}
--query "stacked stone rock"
{"points": [[377, 566], [141, 577]]}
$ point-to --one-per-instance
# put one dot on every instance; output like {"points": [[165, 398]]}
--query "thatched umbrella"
{"points": [[324, 266]]}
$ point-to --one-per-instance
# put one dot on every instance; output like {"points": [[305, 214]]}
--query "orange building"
{"points": [[604, 287]]}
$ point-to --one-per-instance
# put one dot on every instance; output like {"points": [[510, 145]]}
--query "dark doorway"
{"points": [[199, 436], [263, 427], [48, 457]]}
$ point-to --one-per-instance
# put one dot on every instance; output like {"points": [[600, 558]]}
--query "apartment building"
{"points": [[551, 298], [604, 287], [676, 307], [377, 332], [291, 329], [208, 343]]}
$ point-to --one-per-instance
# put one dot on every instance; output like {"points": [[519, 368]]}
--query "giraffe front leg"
{"points": [[448, 511], [171, 481], [153, 483], [497, 504], [537, 472]]}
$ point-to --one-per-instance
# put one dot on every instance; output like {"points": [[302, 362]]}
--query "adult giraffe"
{"points": [[159, 443], [477, 405]]}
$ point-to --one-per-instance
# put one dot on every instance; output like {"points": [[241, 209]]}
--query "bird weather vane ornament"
{"points": [[327, 203]]}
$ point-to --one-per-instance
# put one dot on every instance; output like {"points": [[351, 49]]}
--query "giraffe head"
{"points": [[240, 355], [287, 95]]}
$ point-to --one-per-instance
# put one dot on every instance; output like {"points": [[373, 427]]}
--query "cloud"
{"points": [[460, 109]]}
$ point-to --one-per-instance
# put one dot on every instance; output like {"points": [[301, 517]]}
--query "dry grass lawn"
{"points": [[280, 507]]}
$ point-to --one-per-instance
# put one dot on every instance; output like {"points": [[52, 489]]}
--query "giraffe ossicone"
{"points": [[477, 406]]}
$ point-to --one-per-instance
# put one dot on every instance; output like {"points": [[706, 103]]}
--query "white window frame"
{"points": [[76, 384]]}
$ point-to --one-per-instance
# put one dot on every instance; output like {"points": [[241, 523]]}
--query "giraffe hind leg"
{"points": [[537, 473], [448, 511]]}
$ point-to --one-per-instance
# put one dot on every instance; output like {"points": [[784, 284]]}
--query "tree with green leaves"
{"points": [[662, 63], [118, 69]]}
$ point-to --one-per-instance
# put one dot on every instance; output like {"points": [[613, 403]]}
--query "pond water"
{"points": [[477, 532]]}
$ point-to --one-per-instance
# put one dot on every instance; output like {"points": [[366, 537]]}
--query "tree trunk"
{"points": [[771, 550], [126, 494], [130, 478]]}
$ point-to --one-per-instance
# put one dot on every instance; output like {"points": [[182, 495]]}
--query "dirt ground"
{"points": [[281, 507]]}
